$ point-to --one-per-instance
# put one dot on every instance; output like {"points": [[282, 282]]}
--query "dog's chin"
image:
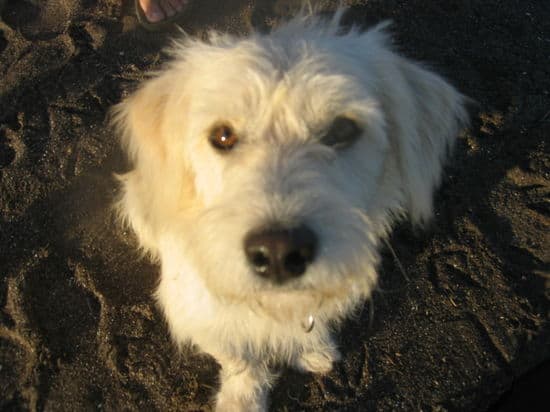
{"points": [[299, 299]]}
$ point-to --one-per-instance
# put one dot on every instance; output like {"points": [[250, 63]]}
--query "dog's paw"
{"points": [[318, 361]]}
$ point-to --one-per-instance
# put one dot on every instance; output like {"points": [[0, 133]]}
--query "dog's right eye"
{"points": [[342, 132], [222, 137]]}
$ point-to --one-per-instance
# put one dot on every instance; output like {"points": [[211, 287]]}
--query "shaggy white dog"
{"points": [[267, 170]]}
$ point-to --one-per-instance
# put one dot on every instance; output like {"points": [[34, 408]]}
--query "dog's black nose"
{"points": [[281, 254]]}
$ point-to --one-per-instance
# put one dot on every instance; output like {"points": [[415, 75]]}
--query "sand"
{"points": [[468, 329]]}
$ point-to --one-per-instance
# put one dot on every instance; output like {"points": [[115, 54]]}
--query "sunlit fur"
{"points": [[191, 206]]}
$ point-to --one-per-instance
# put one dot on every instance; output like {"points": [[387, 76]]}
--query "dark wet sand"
{"points": [[78, 327]]}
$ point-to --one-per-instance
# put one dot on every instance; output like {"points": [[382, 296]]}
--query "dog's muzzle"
{"points": [[280, 254]]}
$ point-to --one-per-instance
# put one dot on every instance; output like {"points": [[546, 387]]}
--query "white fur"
{"points": [[191, 206]]}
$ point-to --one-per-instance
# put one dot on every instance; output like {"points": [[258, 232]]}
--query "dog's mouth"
{"points": [[299, 307], [299, 302]]}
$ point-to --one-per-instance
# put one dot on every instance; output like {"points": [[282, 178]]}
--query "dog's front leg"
{"points": [[244, 385]]}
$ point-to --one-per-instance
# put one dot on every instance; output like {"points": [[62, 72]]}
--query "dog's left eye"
{"points": [[222, 137], [342, 132]]}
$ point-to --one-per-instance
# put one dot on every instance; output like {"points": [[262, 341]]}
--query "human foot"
{"points": [[156, 11]]}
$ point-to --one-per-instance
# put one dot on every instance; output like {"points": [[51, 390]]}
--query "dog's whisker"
{"points": [[396, 260], [371, 314]]}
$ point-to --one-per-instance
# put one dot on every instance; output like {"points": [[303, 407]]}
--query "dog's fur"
{"points": [[191, 206]]}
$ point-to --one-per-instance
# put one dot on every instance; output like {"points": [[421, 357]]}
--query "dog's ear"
{"points": [[140, 121], [150, 188], [424, 115]]}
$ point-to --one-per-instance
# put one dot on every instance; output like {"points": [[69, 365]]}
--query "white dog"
{"points": [[267, 170]]}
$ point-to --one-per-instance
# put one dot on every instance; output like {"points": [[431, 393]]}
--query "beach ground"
{"points": [[79, 330]]}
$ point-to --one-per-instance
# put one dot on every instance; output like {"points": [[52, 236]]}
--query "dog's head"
{"points": [[275, 163]]}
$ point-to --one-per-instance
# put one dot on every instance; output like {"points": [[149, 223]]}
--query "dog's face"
{"points": [[275, 164]]}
